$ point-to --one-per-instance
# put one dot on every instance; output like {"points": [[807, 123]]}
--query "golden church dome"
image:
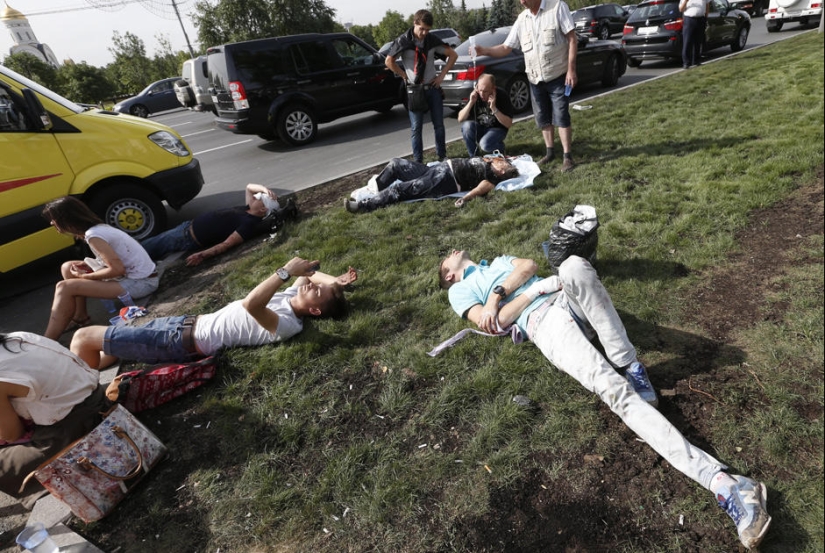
{"points": [[10, 13]]}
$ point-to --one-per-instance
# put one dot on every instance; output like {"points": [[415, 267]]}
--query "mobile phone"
{"points": [[315, 267], [568, 89]]}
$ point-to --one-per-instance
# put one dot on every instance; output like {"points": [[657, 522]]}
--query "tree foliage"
{"points": [[390, 27], [365, 33], [237, 20], [32, 67], [132, 70], [85, 83]]}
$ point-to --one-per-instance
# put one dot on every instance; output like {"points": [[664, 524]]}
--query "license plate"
{"points": [[647, 30], [580, 24], [448, 77]]}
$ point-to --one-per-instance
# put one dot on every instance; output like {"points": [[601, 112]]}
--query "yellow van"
{"points": [[123, 167]]}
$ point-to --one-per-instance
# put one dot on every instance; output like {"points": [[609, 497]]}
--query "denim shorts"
{"points": [[139, 287], [158, 340], [550, 105]]}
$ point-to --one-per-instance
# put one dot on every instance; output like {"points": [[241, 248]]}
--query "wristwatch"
{"points": [[282, 273], [500, 291]]}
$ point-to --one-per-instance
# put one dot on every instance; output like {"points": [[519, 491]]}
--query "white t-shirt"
{"points": [[135, 260], [57, 379], [234, 326], [696, 8]]}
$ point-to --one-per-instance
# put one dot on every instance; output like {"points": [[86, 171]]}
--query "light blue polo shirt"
{"points": [[478, 282]]}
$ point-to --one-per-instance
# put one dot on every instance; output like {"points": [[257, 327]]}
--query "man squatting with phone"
{"points": [[486, 118], [264, 316]]}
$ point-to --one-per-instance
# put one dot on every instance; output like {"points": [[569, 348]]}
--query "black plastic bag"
{"points": [[574, 234]]}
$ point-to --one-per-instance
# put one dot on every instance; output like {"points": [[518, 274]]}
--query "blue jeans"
{"points": [[550, 105], [476, 136], [436, 103], [417, 181], [178, 239], [158, 340], [693, 35]]}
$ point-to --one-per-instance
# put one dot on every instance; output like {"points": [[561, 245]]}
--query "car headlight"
{"points": [[170, 143]]}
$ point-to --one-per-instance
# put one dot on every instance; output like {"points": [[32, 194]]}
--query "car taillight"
{"points": [[674, 25], [594, 23], [238, 94], [772, 10], [816, 5], [471, 74], [627, 29]]}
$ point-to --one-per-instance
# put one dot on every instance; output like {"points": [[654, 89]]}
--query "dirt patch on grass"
{"points": [[598, 504]]}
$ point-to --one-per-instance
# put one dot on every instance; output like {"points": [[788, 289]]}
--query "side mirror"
{"points": [[37, 113]]}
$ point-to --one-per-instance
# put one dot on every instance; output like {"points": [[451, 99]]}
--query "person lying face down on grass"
{"points": [[264, 316], [561, 314], [477, 175]]}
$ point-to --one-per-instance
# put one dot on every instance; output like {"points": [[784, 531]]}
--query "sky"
{"points": [[73, 29]]}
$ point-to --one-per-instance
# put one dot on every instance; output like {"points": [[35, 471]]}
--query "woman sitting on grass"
{"points": [[122, 265], [48, 398]]}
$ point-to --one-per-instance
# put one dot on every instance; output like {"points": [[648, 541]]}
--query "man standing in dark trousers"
{"points": [[418, 49], [694, 18], [486, 118]]}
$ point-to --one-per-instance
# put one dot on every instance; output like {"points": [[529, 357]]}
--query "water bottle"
{"points": [[126, 299], [473, 47], [109, 305]]}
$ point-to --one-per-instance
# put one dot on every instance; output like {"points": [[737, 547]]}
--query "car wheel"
{"points": [[519, 92], [268, 136], [741, 39], [139, 110], [296, 125], [611, 71], [604, 32], [130, 208], [773, 26], [633, 62]]}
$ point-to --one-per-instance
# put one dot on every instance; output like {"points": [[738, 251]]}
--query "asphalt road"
{"points": [[230, 161]]}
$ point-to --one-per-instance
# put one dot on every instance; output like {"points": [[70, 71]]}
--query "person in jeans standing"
{"points": [[418, 49], [694, 21], [545, 32]]}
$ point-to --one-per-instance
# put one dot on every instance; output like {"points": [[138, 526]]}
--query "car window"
{"points": [[311, 57], [718, 6], [618, 10], [12, 117], [352, 53], [660, 10], [251, 65], [487, 39]]}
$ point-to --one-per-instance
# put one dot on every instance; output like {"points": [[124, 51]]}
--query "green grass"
{"points": [[353, 417]]}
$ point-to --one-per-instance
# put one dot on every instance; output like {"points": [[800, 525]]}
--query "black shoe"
{"points": [[546, 159], [351, 205]]}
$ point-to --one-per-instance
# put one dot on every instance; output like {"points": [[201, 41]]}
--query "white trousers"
{"points": [[565, 344]]}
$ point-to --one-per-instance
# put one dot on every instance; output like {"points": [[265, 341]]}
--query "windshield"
{"points": [[486, 39], [655, 10], [43, 91]]}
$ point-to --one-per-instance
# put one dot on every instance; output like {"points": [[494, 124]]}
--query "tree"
{"points": [[365, 33], [34, 68], [443, 13], [85, 83], [131, 70], [390, 27], [238, 20], [166, 62]]}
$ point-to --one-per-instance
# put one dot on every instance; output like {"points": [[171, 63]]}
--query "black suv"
{"points": [[285, 86], [600, 21]]}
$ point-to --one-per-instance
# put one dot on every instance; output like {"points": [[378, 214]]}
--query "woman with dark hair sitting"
{"points": [[121, 265], [48, 398]]}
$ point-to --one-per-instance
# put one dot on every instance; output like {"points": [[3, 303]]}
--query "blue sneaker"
{"points": [[637, 376], [745, 504]]}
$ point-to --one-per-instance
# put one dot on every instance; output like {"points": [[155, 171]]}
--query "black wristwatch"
{"points": [[500, 291]]}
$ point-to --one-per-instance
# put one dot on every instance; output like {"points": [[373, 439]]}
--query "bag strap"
{"points": [[87, 464]]}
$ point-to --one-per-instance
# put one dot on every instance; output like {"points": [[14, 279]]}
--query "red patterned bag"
{"points": [[153, 386], [94, 474]]}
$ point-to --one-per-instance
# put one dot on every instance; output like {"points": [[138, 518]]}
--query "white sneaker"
{"points": [[745, 504]]}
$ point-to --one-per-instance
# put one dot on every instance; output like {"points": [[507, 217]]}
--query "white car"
{"points": [[786, 11], [191, 90]]}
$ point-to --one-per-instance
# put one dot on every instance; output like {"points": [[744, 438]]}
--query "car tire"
{"points": [[773, 26], [518, 90], [139, 110], [611, 71], [604, 32], [296, 124], [130, 208], [633, 62], [741, 39]]}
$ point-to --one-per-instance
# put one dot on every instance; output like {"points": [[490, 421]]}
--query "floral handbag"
{"points": [[95, 473]]}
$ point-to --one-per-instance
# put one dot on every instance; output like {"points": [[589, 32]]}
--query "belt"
{"points": [[192, 234], [188, 335]]}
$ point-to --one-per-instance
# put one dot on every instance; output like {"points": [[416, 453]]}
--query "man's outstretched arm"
{"points": [[256, 301], [482, 189]]}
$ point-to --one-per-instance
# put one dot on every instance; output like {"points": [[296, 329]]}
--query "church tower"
{"points": [[23, 36]]}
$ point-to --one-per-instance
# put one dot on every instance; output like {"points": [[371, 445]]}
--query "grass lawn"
{"points": [[350, 438]]}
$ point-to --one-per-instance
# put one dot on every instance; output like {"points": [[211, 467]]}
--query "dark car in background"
{"points": [[285, 86], [158, 96], [601, 21], [598, 61], [755, 8], [654, 30]]}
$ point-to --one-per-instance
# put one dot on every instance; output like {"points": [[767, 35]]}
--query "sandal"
{"points": [[74, 325]]}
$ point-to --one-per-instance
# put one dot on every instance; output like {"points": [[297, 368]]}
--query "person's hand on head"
{"points": [[298, 267]]}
